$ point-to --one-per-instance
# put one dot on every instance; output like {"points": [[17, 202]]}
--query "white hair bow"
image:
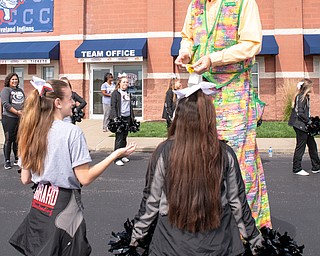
{"points": [[299, 85], [206, 88], [41, 85], [122, 75], [173, 76]]}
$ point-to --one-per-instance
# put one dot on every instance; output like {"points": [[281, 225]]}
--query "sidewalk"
{"points": [[99, 140]]}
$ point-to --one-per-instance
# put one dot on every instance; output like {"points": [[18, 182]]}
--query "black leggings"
{"points": [[10, 129], [121, 137]]}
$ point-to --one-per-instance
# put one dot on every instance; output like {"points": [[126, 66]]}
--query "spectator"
{"points": [[300, 117], [170, 100], [121, 108], [80, 103], [106, 89], [12, 98]]}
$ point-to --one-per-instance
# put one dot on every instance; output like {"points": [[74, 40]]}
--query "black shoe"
{"points": [[7, 165]]}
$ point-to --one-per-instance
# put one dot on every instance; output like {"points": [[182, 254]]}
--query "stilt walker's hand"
{"points": [[202, 65], [183, 59]]}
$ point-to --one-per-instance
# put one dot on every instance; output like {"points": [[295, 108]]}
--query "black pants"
{"points": [[168, 122], [121, 137], [10, 129], [303, 139]]}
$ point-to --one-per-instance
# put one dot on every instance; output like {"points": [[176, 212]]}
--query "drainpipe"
{"points": [[173, 29], [302, 25], [84, 28]]}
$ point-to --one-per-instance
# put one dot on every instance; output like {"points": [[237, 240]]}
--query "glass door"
{"points": [[97, 73]]}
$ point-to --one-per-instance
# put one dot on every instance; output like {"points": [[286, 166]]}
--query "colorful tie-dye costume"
{"points": [[236, 104]]}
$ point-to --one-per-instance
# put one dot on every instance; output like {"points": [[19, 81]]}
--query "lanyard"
{"points": [[209, 34]]}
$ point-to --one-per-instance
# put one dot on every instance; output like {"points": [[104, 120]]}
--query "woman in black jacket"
{"points": [[121, 109], [195, 190], [80, 103], [170, 101], [300, 117]]}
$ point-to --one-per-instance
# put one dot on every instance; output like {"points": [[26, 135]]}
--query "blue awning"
{"points": [[30, 50], [175, 47], [131, 47], [311, 44], [269, 46]]}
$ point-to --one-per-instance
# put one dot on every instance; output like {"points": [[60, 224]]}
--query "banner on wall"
{"points": [[22, 16], [132, 79]]}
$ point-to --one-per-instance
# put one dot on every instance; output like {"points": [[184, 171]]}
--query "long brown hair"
{"points": [[171, 86], [66, 80], [193, 179], [305, 88], [36, 121]]}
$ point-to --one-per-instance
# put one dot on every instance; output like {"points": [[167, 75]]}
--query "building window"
{"points": [[255, 77], [32, 69], [134, 73], [48, 73], [20, 73]]}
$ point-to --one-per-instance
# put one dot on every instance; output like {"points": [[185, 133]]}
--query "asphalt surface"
{"points": [[115, 196]]}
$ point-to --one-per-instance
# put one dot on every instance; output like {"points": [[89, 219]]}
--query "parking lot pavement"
{"points": [[115, 196]]}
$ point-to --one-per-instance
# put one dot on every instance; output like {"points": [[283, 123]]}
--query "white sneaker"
{"points": [[125, 160], [119, 163], [302, 173]]}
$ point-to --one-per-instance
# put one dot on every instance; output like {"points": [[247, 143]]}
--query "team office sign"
{"points": [[110, 56], [21, 16]]}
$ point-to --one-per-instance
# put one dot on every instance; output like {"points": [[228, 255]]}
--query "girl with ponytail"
{"points": [[53, 154]]}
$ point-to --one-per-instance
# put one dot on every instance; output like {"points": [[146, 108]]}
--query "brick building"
{"points": [[85, 39]]}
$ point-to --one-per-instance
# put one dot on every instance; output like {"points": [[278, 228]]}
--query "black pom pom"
{"points": [[120, 243], [117, 125], [276, 244], [313, 127], [135, 126]]}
